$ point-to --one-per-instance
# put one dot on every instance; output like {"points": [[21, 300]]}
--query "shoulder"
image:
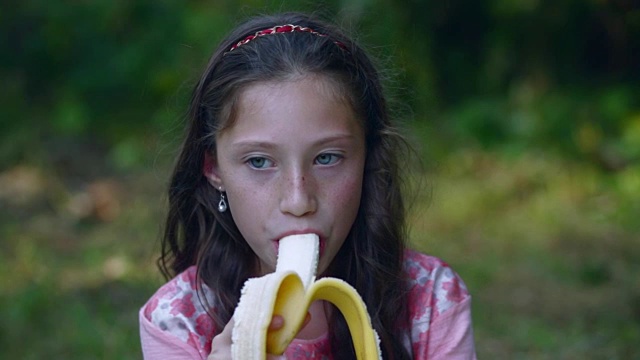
{"points": [[439, 309], [178, 310], [433, 284]]}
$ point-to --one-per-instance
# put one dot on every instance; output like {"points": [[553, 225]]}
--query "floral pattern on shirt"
{"points": [[176, 308], [434, 289]]}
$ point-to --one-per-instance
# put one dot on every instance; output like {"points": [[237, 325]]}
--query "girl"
{"points": [[289, 133]]}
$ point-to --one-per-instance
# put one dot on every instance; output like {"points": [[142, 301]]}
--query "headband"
{"points": [[289, 28]]}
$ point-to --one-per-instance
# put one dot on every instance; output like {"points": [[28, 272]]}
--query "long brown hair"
{"points": [[197, 234]]}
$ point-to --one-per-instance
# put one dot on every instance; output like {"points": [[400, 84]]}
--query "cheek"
{"points": [[347, 195], [245, 200], [241, 190], [242, 198]]}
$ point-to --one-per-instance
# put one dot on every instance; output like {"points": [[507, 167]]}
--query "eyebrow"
{"points": [[270, 145], [254, 144]]}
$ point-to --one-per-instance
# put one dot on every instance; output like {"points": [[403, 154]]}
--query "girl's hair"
{"points": [[197, 234]]}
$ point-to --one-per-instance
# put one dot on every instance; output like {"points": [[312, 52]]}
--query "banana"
{"points": [[288, 292], [300, 254]]}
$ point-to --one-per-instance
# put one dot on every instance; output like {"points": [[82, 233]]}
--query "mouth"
{"points": [[321, 245]]}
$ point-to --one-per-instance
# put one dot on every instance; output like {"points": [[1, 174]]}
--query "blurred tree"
{"points": [[110, 74]]}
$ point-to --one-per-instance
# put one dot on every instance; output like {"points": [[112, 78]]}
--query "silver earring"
{"points": [[222, 205]]}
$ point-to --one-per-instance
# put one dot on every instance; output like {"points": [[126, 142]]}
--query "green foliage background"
{"points": [[526, 113]]}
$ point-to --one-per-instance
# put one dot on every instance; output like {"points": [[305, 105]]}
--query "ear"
{"points": [[211, 171]]}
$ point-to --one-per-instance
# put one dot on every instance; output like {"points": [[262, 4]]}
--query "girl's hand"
{"points": [[221, 343]]}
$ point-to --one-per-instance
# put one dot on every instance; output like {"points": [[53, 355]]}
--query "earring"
{"points": [[222, 205]]}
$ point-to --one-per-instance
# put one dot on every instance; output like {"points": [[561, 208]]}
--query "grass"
{"points": [[547, 247]]}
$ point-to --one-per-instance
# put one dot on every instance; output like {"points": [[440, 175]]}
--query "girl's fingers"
{"points": [[278, 322], [221, 343]]}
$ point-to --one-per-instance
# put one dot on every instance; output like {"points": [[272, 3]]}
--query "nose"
{"points": [[298, 195]]}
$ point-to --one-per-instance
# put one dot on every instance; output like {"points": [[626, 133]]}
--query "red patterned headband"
{"points": [[289, 28]]}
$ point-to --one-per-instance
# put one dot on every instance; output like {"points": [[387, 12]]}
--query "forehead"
{"points": [[289, 111], [324, 87], [310, 87]]}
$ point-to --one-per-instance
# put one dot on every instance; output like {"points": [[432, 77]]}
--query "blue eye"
{"points": [[259, 162], [327, 159]]}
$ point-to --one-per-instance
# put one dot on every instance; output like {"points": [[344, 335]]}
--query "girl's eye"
{"points": [[327, 159], [259, 162]]}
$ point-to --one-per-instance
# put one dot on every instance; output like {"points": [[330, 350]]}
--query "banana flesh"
{"points": [[300, 254], [288, 292]]}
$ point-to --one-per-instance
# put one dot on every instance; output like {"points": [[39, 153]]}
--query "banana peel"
{"points": [[289, 292]]}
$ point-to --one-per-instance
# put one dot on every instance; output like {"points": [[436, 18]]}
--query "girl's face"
{"points": [[291, 163]]}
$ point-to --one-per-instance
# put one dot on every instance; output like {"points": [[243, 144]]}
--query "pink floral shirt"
{"points": [[175, 325]]}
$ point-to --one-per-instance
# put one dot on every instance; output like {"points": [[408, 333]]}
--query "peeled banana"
{"points": [[288, 292]]}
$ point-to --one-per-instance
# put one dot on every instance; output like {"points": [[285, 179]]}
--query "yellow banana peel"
{"points": [[289, 292]]}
